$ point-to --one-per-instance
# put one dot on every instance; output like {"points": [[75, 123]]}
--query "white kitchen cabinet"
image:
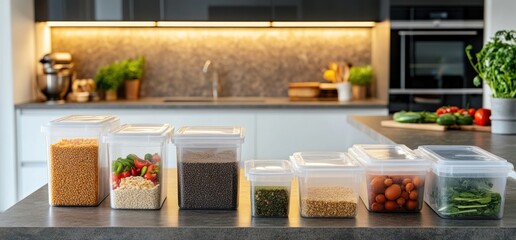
{"points": [[33, 175], [269, 133], [283, 132]]}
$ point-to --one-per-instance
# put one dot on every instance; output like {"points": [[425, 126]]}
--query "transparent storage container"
{"points": [[394, 179], [465, 182], [270, 187], [138, 154], [328, 183], [77, 159], [208, 166]]}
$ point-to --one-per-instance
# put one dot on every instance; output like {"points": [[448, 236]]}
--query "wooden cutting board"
{"points": [[433, 126]]}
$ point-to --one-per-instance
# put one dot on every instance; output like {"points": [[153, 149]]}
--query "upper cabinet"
{"points": [[326, 10], [207, 10], [217, 10], [98, 10]]}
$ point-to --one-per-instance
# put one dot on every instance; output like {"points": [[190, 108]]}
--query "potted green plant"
{"points": [[496, 66], [133, 71], [109, 78], [360, 77]]}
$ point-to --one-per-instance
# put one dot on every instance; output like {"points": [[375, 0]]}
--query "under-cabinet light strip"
{"points": [[101, 24], [322, 24], [204, 24], [211, 24]]}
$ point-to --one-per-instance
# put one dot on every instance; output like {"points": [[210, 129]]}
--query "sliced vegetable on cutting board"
{"points": [[447, 117]]}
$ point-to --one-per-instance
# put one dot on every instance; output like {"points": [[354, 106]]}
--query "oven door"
{"points": [[436, 59]]}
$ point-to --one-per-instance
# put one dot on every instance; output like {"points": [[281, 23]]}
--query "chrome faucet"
{"points": [[214, 75]]}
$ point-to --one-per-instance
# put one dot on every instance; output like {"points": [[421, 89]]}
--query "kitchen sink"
{"points": [[224, 99]]}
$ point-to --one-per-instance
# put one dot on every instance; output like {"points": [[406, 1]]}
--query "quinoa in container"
{"points": [[208, 166], [328, 183], [137, 154], [77, 159]]}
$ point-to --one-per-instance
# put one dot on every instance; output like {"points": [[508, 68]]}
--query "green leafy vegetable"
{"points": [[496, 64], [467, 197]]}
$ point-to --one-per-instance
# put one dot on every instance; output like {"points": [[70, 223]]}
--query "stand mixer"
{"points": [[57, 76]]}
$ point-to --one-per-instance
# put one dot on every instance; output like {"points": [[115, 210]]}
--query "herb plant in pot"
{"points": [[496, 65], [108, 79], [132, 74], [360, 77]]}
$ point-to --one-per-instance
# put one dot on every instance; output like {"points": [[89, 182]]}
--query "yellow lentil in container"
{"points": [[74, 172]]}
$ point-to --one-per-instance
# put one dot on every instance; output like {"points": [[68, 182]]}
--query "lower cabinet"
{"points": [[32, 176], [269, 133]]}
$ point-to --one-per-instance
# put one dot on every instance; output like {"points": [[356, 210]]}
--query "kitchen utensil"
{"points": [[57, 76]]}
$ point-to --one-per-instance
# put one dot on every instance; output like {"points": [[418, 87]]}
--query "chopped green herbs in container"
{"points": [[271, 201], [270, 187]]}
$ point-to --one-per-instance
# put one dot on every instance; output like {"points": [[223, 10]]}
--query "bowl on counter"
{"points": [[328, 183], [394, 179], [465, 182]]}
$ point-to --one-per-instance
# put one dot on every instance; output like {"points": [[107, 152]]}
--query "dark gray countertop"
{"points": [[33, 218], [203, 103], [501, 145]]}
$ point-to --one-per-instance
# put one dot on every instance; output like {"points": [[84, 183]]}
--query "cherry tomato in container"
{"points": [[141, 163], [125, 174], [440, 111], [482, 117]]}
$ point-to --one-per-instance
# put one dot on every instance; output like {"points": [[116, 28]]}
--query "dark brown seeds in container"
{"points": [[206, 185]]}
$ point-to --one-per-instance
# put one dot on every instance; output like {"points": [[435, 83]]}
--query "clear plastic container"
{"points": [[77, 159], [394, 179], [138, 153], [465, 182], [328, 183], [208, 166], [270, 187]]}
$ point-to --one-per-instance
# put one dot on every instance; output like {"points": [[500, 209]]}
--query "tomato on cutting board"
{"points": [[482, 117]]}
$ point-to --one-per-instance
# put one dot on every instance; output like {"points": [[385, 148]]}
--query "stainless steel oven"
{"points": [[429, 67]]}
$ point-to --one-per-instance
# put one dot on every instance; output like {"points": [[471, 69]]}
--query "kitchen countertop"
{"points": [[33, 218], [203, 103], [501, 145]]}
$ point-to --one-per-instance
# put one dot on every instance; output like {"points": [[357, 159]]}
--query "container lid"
{"points": [[462, 159], [396, 157], [325, 162], [269, 170], [141, 133], [80, 123], [209, 134]]}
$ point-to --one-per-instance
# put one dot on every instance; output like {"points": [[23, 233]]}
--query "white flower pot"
{"points": [[503, 115]]}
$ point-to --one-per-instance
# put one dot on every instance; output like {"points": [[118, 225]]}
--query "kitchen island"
{"points": [[33, 218]]}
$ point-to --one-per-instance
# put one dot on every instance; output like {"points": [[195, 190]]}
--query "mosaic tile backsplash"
{"points": [[250, 61]]}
